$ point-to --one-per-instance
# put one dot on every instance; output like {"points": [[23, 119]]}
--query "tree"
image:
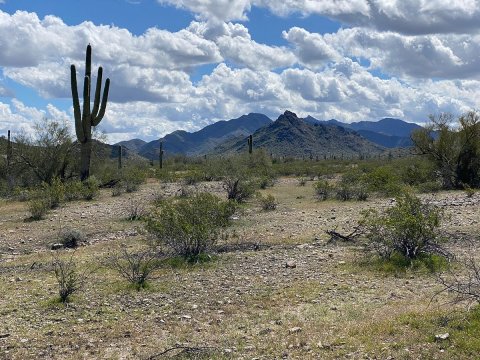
{"points": [[89, 118], [47, 154], [454, 150]]}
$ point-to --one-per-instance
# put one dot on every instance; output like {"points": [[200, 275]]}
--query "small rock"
{"points": [[295, 330], [441, 337], [228, 351], [186, 317], [56, 246], [290, 264]]}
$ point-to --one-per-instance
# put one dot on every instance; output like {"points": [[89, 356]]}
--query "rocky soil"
{"points": [[293, 295]]}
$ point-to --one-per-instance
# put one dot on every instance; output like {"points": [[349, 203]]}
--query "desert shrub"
{"points": [[239, 189], [55, 192], [117, 189], [429, 187], [190, 226], [136, 267], [90, 188], [469, 192], [302, 181], [73, 190], [69, 279], [351, 187], [464, 288], [265, 181], [38, 207], [383, 180], [267, 202], [410, 228], [323, 189], [135, 210], [132, 178], [71, 238]]}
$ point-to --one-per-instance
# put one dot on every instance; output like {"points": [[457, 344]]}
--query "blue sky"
{"points": [[183, 64]]}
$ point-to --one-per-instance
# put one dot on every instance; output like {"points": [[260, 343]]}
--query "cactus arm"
{"points": [[98, 90], [76, 106], [103, 107], [86, 120], [88, 64]]}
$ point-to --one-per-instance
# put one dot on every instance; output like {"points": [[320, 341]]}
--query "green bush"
{"points": [[239, 189], [410, 228], [267, 202], [135, 267], [383, 180], [73, 190], [323, 189], [190, 226], [55, 192], [429, 187], [71, 238], [352, 186], [90, 188], [39, 207]]}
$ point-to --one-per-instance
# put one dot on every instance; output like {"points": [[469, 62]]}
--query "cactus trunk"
{"points": [[120, 156], [85, 156], [160, 155], [250, 144], [88, 118], [9, 161]]}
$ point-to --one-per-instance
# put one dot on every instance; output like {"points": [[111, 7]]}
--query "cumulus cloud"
{"points": [[404, 16], [449, 56]]}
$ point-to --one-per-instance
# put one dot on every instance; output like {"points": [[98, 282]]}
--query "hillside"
{"points": [[387, 132], [206, 139], [292, 136]]}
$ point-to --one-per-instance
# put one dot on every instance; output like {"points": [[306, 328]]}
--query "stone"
{"points": [[441, 337], [295, 330], [56, 246], [290, 264]]}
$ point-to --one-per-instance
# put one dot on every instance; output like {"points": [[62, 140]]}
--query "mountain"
{"points": [[204, 140], [292, 136], [133, 145], [387, 132]]}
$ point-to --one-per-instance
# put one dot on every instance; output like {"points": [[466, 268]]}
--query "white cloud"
{"points": [[403, 16]]}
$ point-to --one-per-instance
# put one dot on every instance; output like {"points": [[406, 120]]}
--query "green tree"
{"points": [[454, 150], [45, 155]]}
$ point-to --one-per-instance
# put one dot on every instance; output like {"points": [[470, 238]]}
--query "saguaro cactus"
{"points": [[120, 154], [160, 155], [9, 150], [250, 144], [84, 121]]}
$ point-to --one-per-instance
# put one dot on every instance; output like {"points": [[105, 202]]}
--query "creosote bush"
{"points": [[190, 226], [38, 207], [69, 279], [323, 189], [90, 188], [267, 202], [136, 267], [71, 238], [410, 229]]}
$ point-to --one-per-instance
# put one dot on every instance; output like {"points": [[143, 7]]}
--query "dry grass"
{"points": [[245, 304]]}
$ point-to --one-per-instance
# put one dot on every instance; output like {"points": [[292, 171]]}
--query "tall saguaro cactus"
{"points": [[160, 155], [250, 144], [84, 121]]}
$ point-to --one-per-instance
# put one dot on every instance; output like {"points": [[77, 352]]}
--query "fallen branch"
{"points": [[334, 235]]}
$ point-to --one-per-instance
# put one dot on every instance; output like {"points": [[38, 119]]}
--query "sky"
{"points": [[184, 64]]}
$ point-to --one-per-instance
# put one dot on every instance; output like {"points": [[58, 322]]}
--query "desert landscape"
{"points": [[278, 288]]}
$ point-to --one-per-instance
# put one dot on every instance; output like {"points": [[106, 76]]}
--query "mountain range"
{"points": [[289, 135]]}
